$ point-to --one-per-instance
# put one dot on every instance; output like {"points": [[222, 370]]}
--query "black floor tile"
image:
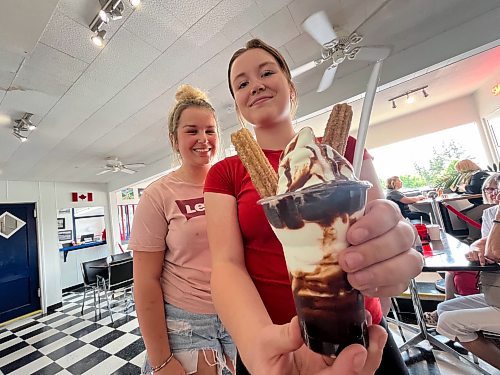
{"points": [[55, 319], [23, 361], [69, 324], [132, 350], [107, 338], [27, 325], [13, 348], [119, 322], [88, 362], [35, 332], [86, 330], [136, 331], [128, 369], [48, 340], [51, 369], [7, 338], [61, 352]]}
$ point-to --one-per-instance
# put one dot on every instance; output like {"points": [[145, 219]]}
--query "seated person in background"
{"points": [[465, 318], [465, 283], [394, 183], [472, 185]]}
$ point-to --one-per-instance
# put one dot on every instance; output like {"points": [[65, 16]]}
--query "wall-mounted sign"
{"points": [[496, 89], [65, 235], [82, 197]]}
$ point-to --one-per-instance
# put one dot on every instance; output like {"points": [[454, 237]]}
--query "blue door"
{"points": [[18, 261]]}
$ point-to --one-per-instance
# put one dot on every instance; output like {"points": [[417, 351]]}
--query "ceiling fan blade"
{"points": [[134, 165], [304, 68], [103, 172], [127, 170], [372, 53], [327, 79], [319, 27]]}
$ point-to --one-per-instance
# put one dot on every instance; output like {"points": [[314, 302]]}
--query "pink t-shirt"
{"points": [[170, 217]]}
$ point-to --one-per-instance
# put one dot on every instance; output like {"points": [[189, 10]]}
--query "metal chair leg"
{"points": [[83, 302], [109, 308]]}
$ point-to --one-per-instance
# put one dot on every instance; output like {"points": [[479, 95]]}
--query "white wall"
{"points": [[50, 197]]}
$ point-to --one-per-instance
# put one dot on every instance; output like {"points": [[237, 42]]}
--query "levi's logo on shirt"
{"points": [[191, 207]]}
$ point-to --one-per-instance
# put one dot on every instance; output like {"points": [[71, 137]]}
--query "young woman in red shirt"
{"points": [[250, 282]]}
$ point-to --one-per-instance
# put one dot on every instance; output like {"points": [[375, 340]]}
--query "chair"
{"points": [[120, 279], [90, 271], [121, 256]]}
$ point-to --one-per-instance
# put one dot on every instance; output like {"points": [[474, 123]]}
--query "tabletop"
{"points": [[449, 255], [449, 198]]}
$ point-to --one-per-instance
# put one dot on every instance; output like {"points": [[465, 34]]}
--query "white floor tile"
{"points": [[30, 329], [116, 345], [33, 366], [18, 323], [77, 327], [16, 355], [129, 326], [56, 345], [138, 360], [10, 343], [108, 366], [41, 336], [96, 334], [76, 355]]}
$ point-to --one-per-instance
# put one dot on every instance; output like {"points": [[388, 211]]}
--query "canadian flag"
{"points": [[79, 197]]}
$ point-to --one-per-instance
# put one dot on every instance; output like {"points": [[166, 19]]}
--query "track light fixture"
{"points": [[18, 135], [98, 38], [24, 124], [111, 10], [409, 98]]}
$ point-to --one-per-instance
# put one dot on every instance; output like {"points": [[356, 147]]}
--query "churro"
{"points": [[337, 127], [264, 177]]}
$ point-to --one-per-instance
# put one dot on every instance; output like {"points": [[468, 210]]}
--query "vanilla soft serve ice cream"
{"points": [[318, 199]]}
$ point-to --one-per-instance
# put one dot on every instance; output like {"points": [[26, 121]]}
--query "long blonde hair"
{"points": [[391, 182]]}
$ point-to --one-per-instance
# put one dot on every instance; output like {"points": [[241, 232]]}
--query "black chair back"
{"points": [[120, 274], [90, 272], [121, 256]]}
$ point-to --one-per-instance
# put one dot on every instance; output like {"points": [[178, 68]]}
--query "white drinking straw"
{"points": [[364, 121], [430, 216], [421, 221]]}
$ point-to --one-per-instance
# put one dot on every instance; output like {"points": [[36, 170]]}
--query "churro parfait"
{"points": [[318, 199]]}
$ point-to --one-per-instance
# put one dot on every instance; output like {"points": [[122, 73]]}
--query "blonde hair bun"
{"points": [[188, 92]]}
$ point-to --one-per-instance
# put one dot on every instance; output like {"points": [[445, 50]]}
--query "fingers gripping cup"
{"points": [[318, 200]]}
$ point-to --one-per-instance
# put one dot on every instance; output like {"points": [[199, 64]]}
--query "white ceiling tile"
{"points": [[116, 66], [277, 29], [81, 11], [6, 79], [270, 7], [190, 11], [58, 65], [243, 22], [155, 24], [214, 70], [10, 61], [70, 37], [27, 100]]}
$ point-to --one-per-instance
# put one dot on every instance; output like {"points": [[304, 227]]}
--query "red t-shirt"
{"points": [[264, 257]]}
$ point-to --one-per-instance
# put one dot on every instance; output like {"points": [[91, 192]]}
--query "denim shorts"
{"points": [[189, 333]]}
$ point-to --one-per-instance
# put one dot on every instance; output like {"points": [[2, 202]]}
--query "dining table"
{"points": [[437, 207], [446, 254]]}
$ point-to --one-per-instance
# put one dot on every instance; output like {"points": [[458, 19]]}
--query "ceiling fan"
{"points": [[114, 165], [337, 46]]}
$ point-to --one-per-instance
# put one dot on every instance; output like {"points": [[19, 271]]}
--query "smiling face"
{"points": [[261, 90], [197, 138]]}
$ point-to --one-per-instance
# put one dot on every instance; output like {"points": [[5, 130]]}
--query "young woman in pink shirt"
{"points": [[250, 283], [181, 330]]}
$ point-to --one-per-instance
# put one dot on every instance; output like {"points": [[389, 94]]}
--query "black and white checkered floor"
{"points": [[67, 342]]}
